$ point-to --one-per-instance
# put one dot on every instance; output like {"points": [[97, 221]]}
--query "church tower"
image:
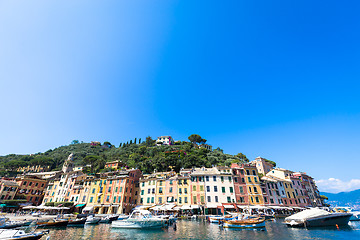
{"points": [[68, 164]]}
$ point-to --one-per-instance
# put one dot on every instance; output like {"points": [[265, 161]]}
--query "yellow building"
{"points": [[253, 185]]}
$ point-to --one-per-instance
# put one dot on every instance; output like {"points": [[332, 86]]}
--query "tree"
{"points": [[130, 142], [195, 138], [135, 141], [324, 197], [120, 145], [149, 141], [242, 157], [91, 160], [271, 162], [75, 142], [139, 140], [108, 144]]}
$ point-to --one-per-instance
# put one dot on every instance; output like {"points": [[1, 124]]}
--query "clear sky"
{"points": [[277, 79]]}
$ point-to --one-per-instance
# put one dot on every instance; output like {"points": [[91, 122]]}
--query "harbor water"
{"points": [[187, 229]]}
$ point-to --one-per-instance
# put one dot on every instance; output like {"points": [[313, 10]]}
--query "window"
{"points": [[149, 190], [109, 190], [180, 200], [153, 190], [107, 198], [152, 199], [202, 199], [241, 189], [116, 189], [216, 199], [229, 179], [91, 199], [255, 179], [249, 179], [114, 200], [194, 199], [142, 192], [247, 172], [223, 189], [242, 179], [253, 172], [222, 178], [201, 188], [148, 200], [185, 190], [255, 190], [160, 190], [36, 184], [194, 188], [180, 190], [271, 200], [170, 190], [208, 198], [214, 178], [141, 200], [84, 197], [30, 183], [250, 189], [160, 200], [207, 178], [120, 189], [231, 190], [185, 199], [208, 188], [257, 199], [265, 199], [215, 189], [235, 179]]}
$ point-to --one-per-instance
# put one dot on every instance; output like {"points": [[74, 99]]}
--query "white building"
{"points": [[165, 140]]}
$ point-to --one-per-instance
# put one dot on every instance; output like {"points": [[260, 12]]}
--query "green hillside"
{"points": [[145, 155]]}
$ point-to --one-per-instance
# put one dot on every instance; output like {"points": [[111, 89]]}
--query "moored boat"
{"points": [[12, 234], [92, 220], [76, 222], [316, 217], [245, 223], [53, 223], [140, 219]]}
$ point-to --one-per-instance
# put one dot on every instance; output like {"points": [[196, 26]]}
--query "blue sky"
{"points": [[277, 79]]}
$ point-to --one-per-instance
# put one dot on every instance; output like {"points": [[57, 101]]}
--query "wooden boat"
{"points": [[245, 223], [53, 223], [76, 222]]}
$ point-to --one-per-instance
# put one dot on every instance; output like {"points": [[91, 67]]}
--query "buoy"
{"points": [[337, 226]]}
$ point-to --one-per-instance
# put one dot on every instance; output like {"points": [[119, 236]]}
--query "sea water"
{"points": [[187, 229]]}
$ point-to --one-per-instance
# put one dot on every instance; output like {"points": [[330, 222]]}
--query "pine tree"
{"points": [[139, 140], [130, 142], [120, 145], [135, 140]]}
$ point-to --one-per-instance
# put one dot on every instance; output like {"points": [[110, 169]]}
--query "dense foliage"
{"points": [[134, 154]]}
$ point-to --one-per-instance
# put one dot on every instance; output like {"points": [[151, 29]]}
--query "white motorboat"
{"points": [[140, 219], [316, 217], [92, 220], [12, 234]]}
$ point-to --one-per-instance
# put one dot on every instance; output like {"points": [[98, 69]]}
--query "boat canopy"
{"points": [[309, 213]]}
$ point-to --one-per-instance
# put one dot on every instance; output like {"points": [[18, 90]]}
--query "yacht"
{"points": [[140, 219], [316, 217]]}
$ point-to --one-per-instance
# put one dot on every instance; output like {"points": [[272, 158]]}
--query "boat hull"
{"points": [[137, 224], [244, 224], [330, 220]]}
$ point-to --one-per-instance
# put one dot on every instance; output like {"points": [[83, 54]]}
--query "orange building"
{"points": [[32, 188]]}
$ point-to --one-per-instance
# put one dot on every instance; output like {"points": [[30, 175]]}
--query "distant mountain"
{"points": [[351, 199]]}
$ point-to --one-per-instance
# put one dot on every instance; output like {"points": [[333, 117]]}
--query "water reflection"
{"points": [[204, 230]]}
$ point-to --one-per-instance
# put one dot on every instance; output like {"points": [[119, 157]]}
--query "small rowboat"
{"points": [[245, 223]]}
